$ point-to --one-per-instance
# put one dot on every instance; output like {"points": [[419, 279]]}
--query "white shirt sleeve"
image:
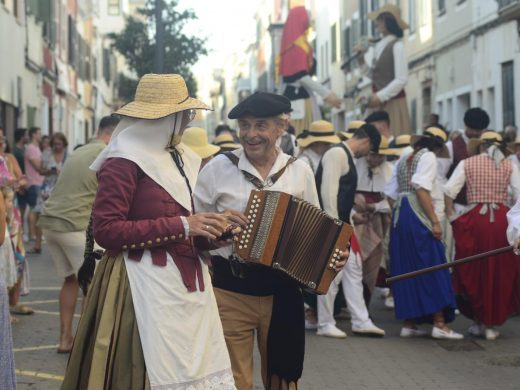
{"points": [[335, 165], [449, 146], [456, 182], [309, 83], [400, 73], [515, 181], [392, 187], [204, 195], [513, 218], [426, 172], [310, 193]]}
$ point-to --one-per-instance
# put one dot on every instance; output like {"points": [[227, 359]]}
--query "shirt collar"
{"points": [[245, 165]]}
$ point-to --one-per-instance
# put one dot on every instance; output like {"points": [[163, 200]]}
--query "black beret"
{"points": [[378, 116], [261, 105], [476, 118]]}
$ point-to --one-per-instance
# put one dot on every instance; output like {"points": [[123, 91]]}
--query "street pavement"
{"points": [[351, 364]]}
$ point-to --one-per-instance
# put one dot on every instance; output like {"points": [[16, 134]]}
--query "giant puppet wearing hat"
{"points": [[296, 65], [389, 70]]}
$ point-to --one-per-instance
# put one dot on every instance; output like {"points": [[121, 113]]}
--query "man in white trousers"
{"points": [[337, 180]]}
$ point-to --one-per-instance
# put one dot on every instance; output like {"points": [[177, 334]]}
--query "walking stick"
{"points": [[455, 263]]}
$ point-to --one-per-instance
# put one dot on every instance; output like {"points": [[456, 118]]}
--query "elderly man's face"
{"points": [[258, 136]]}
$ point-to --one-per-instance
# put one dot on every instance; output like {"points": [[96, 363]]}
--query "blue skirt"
{"points": [[413, 247]]}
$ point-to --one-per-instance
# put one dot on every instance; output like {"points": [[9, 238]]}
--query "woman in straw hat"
{"points": [[196, 139], [389, 72], [150, 320], [226, 143], [296, 65], [416, 239], [487, 290]]}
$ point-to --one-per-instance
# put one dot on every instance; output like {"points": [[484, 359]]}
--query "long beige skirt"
{"points": [[107, 352]]}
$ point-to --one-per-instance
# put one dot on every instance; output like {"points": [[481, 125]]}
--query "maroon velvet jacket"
{"points": [[132, 212], [460, 153]]}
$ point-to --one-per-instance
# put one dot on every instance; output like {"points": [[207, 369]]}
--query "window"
{"points": [[374, 5], [363, 17], [508, 93], [114, 7], [426, 104], [72, 42], [106, 65], [413, 115], [334, 44], [412, 15], [346, 43], [441, 7]]}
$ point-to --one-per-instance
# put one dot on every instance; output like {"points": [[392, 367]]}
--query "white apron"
{"points": [[181, 333]]}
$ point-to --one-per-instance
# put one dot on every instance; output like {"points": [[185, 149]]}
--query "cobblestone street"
{"points": [[354, 363]]}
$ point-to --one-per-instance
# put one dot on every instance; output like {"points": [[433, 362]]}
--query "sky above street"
{"points": [[227, 24]]}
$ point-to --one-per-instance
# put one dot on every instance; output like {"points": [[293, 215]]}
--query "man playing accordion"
{"points": [[256, 298]]}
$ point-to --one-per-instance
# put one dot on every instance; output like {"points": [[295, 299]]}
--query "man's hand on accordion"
{"points": [[343, 258]]}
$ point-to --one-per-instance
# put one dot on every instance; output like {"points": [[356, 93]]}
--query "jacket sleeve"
{"points": [[111, 227]]}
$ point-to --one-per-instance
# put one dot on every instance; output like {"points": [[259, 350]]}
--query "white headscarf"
{"points": [[495, 154], [144, 142]]}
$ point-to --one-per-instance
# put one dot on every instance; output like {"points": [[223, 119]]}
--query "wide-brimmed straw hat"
{"points": [[391, 9], [160, 95], [226, 141], [400, 143], [385, 149], [433, 132], [197, 140], [352, 127], [487, 137], [320, 131]]}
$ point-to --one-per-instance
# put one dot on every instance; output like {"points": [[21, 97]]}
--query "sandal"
{"points": [[21, 310], [35, 251], [13, 320]]}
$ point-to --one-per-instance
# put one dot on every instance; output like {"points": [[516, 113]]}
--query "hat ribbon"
{"points": [[307, 133], [220, 143]]}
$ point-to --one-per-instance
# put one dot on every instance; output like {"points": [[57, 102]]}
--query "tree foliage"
{"points": [[137, 44]]}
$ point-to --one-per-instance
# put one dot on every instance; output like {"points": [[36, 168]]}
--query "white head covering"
{"points": [[144, 142]]}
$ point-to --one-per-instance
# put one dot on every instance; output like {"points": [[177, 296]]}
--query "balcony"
{"points": [[509, 9]]}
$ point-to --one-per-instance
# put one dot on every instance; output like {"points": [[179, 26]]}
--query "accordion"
{"points": [[293, 236]]}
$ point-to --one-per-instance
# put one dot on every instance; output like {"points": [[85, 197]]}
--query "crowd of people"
{"points": [[159, 206]]}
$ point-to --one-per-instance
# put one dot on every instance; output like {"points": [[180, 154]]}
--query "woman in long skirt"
{"points": [[488, 291], [415, 240], [150, 319]]}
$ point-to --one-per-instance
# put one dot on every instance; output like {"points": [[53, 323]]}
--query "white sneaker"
{"points": [[311, 325], [331, 331], [476, 329], [410, 332], [370, 331], [449, 334], [492, 334], [389, 302], [385, 292]]}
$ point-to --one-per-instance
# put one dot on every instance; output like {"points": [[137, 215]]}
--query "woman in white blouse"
{"points": [[416, 240], [487, 290]]}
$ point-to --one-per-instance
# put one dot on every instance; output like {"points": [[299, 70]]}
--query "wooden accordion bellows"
{"points": [[293, 236]]}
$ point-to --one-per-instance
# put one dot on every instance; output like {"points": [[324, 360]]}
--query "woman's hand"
{"points": [[208, 225], [437, 230], [235, 217], [516, 246], [333, 100], [374, 101], [359, 218]]}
